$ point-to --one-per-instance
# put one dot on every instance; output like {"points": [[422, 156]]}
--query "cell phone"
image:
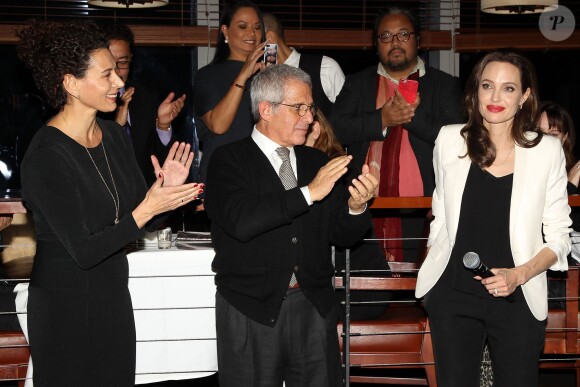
{"points": [[408, 89], [270, 54]]}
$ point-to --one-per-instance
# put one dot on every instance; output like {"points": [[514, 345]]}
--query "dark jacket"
{"points": [[357, 121], [262, 233]]}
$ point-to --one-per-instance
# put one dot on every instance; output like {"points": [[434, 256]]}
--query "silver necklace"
{"points": [[504, 160], [116, 201]]}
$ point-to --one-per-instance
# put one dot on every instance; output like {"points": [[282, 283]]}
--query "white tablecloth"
{"points": [[173, 295]]}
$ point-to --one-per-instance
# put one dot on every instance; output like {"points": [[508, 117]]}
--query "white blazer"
{"points": [[538, 198]]}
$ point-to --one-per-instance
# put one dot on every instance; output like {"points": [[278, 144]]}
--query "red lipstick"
{"points": [[495, 108]]}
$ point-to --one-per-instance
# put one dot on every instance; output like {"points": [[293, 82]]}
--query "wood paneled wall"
{"points": [[465, 41]]}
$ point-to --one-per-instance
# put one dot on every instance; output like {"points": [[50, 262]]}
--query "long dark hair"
{"points": [[327, 141], [480, 148], [222, 51], [560, 119]]}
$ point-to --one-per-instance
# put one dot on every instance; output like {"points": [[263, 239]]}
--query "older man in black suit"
{"points": [[275, 209]]}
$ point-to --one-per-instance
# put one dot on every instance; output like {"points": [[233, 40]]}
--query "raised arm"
{"points": [[219, 119]]}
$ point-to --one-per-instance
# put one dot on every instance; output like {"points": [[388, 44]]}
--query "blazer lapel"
{"points": [[459, 180], [518, 188], [459, 187]]}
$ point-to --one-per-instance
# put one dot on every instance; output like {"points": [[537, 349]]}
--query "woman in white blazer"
{"points": [[500, 192]]}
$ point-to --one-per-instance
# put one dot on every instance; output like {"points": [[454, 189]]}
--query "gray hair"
{"points": [[269, 85]]}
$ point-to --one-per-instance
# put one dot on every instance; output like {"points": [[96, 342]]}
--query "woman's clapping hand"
{"points": [[176, 167]]}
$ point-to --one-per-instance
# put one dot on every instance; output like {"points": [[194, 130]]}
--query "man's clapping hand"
{"points": [[362, 190]]}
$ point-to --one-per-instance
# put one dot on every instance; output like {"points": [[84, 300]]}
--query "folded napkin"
{"points": [[192, 240]]}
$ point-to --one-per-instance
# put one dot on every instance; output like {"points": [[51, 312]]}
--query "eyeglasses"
{"points": [[402, 36], [301, 108], [123, 64]]}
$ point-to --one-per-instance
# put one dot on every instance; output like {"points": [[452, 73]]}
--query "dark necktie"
{"points": [[289, 181]]}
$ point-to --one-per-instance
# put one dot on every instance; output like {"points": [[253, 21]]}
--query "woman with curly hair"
{"points": [[89, 199], [499, 184]]}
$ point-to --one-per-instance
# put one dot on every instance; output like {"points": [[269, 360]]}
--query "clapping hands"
{"points": [[362, 190], [176, 167]]}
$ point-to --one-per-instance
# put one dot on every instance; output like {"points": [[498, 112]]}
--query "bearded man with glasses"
{"points": [[377, 125]]}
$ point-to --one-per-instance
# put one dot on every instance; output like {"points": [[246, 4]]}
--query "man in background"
{"points": [[145, 118], [394, 136], [326, 75]]}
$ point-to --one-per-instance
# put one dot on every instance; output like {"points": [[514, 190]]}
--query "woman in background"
{"points": [[499, 183], [89, 199], [556, 121], [221, 89], [366, 255], [321, 136]]}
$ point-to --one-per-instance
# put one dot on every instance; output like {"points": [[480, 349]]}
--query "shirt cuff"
{"points": [[350, 212], [306, 193], [164, 135], [385, 129]]}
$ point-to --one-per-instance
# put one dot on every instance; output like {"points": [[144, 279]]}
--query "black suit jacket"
{"points": [[262, 233], [357, 121], [144, 138]]}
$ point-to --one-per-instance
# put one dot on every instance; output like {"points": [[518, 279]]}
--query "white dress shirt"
{"points": [[331, 75], [269, 148]]}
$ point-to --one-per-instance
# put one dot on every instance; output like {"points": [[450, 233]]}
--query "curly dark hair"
{"points": [[53, 49], [480, 149], [222, 51]]}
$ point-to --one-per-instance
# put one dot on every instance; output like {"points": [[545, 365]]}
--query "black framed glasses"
{"points": [[123, 64], [402, 36], [301, 108]]}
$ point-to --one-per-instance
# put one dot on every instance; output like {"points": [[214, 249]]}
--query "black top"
{"points": [[572, 189], [211, 84], [484, 229]]}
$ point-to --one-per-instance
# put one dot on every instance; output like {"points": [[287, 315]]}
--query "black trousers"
{"points": [[301, 349], [460, 324]]}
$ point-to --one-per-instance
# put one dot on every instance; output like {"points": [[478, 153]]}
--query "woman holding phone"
{"points": [[221, 89]]}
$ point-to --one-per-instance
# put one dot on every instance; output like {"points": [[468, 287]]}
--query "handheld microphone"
{"points": [[472, 262]]}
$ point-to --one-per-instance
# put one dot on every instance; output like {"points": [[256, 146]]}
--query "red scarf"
{"points": [[383, 160]]}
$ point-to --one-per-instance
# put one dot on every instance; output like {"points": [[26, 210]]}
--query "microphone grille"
{"points": [[471, 260]]}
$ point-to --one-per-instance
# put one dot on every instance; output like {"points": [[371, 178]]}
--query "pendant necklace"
{"points": [[116, 196], [504, 160]]}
